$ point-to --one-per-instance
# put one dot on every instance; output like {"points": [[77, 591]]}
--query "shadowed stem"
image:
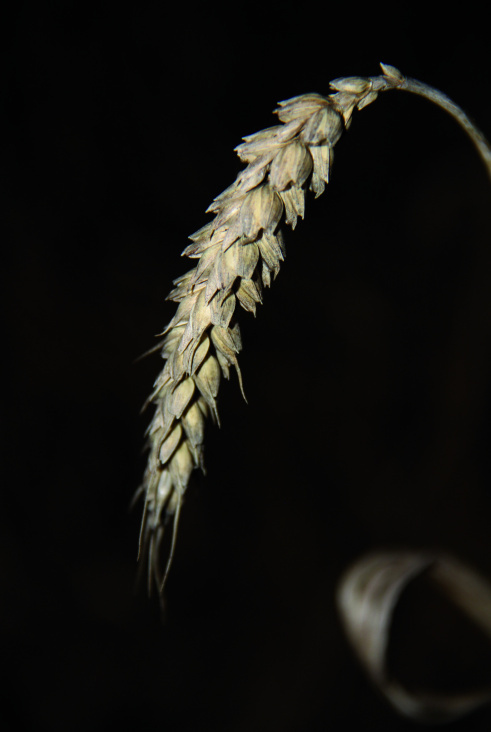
{"points": [[441, 99]]}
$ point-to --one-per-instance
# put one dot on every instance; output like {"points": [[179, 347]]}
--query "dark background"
{"points": [[367, 370]]}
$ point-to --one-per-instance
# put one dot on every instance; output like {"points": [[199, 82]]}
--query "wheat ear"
{"points": [[239, 252]]}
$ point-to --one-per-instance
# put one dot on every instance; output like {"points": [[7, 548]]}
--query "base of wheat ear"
{"points": [[238, 253]]}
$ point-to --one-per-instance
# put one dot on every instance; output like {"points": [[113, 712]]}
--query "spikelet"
{"points": [[239, 252]]}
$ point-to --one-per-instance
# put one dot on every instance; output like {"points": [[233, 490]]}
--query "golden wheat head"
{"points": [[238, 253]]}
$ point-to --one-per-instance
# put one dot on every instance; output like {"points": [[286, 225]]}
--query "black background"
{"points": [[367, 370]]}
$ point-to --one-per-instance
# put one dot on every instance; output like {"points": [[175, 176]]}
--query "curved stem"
{"points": [[441, 99]]}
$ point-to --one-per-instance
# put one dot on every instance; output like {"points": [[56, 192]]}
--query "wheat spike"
{"points": [[239, 252]]}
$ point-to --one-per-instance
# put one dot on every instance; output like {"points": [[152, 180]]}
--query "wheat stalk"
{"points": [[239, 252]]}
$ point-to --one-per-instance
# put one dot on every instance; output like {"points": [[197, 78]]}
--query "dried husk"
{"points": [[367, 597]]}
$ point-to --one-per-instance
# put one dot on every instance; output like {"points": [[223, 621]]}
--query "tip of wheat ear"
{"points": [[239, 253]]}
